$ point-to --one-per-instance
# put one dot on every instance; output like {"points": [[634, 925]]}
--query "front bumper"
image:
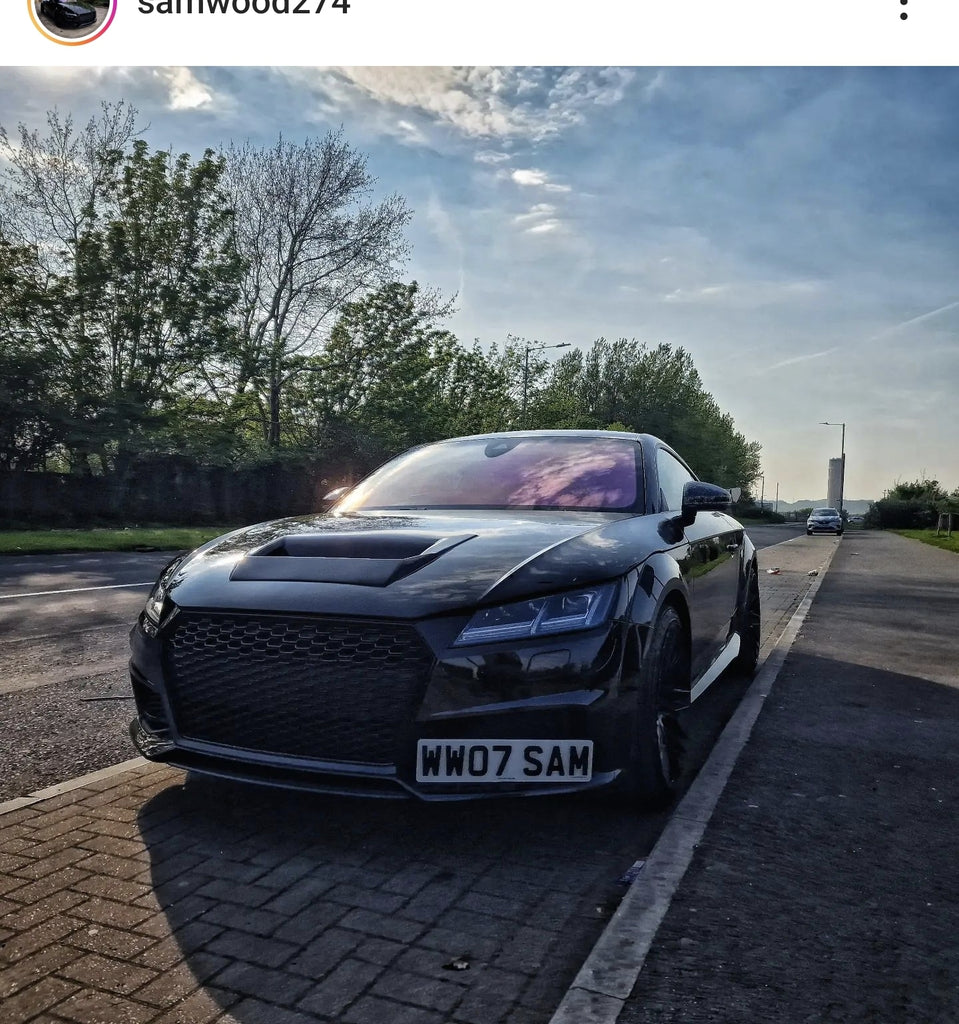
{"points": [[571, 687]]}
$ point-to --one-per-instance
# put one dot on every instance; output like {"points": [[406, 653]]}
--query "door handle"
{"points": [[733, 547]]}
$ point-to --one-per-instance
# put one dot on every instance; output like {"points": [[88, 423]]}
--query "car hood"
{"points": [[76, 9], [409, 564]]}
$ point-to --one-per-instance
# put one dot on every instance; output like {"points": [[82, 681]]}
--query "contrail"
{"points": [[884, 333], [915, 320], [798, 359]]}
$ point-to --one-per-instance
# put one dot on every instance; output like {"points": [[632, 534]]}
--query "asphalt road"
{"points": [[67, 616], [767, 536]]}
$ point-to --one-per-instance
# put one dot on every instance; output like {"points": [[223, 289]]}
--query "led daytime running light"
{"points": [[542, 616]]}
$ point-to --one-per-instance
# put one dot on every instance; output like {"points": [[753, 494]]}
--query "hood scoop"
{"points": [[363, 558]]}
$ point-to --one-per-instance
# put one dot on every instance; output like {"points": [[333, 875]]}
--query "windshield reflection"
{"points": [[594, 474]]}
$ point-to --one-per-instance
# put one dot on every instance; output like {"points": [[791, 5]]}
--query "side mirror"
{"points": [[700, 497]]}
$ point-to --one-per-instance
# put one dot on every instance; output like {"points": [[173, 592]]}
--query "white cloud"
{"points": [[531, 177], [540, 219], [536, 213], [186, 91], [487, 156], [411, 132], [474, 102]]}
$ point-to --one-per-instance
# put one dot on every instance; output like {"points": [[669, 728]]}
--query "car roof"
{"points": [[628, 435]]}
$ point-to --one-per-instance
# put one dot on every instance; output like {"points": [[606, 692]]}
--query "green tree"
{"points": [[655, 390], [379, 385], [34, 418], [161, 270]]}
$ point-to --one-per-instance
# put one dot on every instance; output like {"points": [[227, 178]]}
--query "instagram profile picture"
{"points": [[72, 22]]}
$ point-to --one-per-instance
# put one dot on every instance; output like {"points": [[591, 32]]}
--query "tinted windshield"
{"points": [[824, 512], [598, 474]]}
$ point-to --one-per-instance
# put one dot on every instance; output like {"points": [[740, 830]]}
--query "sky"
{"points": [[796, 230]]}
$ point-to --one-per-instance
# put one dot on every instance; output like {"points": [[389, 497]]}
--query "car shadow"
{"points": [[280, 899]]}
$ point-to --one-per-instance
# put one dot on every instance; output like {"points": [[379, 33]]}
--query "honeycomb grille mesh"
{"points": [[321, 688]]}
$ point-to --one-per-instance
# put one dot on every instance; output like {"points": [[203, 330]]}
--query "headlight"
{"points": [[559, 613], [156, 609], [154, 606]]}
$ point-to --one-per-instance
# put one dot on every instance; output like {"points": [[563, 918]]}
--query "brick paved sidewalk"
{"points": [[138, 899], [134, 898]]}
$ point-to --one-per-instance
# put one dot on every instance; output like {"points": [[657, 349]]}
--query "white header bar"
{"points": [[390, 32]]}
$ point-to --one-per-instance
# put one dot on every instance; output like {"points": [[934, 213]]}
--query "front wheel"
{"points": [[749, 628], [656, 759]]}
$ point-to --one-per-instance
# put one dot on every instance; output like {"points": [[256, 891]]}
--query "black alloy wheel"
{"points": [[749, 628], [656, 761]]}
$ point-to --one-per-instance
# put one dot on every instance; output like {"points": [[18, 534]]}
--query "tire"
{"points": [[809, 533], [749, 628], [656, 758]]}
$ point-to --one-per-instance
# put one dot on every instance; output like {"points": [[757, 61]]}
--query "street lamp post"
{"points": [[842, 459], [526, 352]]}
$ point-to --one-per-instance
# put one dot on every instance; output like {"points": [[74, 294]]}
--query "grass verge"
{"points": [[138, 538], [929, 537]]}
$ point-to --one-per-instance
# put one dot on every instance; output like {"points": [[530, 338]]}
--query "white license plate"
{"points": [[504, 760]]}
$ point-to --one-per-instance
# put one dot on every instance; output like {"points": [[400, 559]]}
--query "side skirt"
{"points": [[725, 659]]}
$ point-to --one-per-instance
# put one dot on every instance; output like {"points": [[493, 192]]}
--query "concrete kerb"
{"points": [[604, 982], [78, 783]]}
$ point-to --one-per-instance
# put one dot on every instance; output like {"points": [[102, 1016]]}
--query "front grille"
{"points": [[333, 689]]}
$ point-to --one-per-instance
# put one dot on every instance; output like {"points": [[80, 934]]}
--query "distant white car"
{"points": [[824, 520]]}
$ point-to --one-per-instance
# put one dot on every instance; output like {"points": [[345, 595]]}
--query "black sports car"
{"points": [[67, 15], [509, 613]]}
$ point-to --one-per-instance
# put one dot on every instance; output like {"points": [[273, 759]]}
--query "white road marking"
{"points": [[74, 590]]}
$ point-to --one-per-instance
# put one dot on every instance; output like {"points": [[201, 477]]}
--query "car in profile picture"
{"points": [[519, 613], [824, 520], [67, 15]]}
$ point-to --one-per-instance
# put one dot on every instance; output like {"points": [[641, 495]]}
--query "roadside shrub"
{"points": [[748, 510], [901, 514]]}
